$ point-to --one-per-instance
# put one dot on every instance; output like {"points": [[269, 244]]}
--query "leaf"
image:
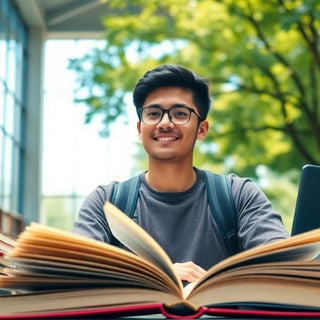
{"points": [[257, 55]]}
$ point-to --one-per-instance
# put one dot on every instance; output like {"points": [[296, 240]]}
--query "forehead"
{"points": [[168, 96]]}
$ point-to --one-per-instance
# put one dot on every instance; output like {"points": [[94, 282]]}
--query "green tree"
{"points": [[262, 59]]}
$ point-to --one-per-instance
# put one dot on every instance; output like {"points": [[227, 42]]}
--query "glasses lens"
{"points": [[151, 115], [179, 115]]}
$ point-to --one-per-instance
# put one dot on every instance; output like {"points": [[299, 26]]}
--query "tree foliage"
{"points": [[262, 59]]}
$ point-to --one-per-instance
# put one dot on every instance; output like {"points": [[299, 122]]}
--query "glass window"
{"points": [[15, 177], [9, 114], [69, 146], [12, 63], [7, 173], [13, 49], [17, 122], [19, 72], [3, 49], [1, 104]]}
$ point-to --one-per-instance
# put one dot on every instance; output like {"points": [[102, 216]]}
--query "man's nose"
{"points": [[165, 122]]}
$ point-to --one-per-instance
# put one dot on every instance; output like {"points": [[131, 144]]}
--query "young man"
{"points": [[172, 104]]}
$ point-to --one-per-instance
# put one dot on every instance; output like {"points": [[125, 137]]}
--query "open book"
{"points": [[66, 275], [6, 245]]}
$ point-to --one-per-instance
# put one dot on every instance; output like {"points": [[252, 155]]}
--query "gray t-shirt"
{"points": [[182, 222]]}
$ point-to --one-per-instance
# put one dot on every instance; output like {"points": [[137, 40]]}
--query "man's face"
{"points": [[166, 140]]}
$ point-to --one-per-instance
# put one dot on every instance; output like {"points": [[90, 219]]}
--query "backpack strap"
{"points": [[125, 195], [223, 209]]}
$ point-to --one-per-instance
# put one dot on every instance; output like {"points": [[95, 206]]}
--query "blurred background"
{"points": [[68, 67]]}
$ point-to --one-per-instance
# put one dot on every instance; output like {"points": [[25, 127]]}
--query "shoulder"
{"points": [[246, 191], [104, 192], [243, 184], [238, 184], [243, 189], [101, 193], [97, 197]]}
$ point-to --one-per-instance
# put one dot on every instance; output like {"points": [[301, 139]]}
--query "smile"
{"points": [[165, 139]]}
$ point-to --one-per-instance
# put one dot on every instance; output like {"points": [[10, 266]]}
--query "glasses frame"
{"points": [[191, 110]]}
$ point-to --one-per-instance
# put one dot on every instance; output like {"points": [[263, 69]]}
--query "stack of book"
{"points": [[59, 274], [6, 245]]}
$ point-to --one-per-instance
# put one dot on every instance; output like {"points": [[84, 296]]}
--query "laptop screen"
{"points": [[307, 211]]}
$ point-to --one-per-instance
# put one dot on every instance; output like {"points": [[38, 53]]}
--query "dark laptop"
{"points": [[307, 211]]}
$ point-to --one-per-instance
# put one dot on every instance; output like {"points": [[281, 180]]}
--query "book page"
{"points": [[6, 243], [24, 305], [302, 247], [39, 247], [264, 289], [139, 241]]}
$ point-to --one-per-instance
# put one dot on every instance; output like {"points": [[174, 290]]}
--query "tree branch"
{"points": [[303, 103], [290, 127], [314, 91], [251, 89], [312, 40], [287, 128], [272, 50]]}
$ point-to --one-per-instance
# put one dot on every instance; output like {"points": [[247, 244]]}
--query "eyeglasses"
{"points": [[177, 114]]}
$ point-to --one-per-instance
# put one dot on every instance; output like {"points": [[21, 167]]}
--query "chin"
{"points": [[163, 157]]}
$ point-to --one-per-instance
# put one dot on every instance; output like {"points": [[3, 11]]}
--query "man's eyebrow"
{"points": [[153, 105], [157, 105]]}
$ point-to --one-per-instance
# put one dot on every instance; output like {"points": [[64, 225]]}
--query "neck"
{"points": [[170, 177]]}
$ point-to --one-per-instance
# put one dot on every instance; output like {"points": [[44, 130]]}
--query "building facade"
{"points": [[25, 25]]}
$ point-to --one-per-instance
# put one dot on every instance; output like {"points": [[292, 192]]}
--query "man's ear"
{"points": [[139, 129], [203, 130]]}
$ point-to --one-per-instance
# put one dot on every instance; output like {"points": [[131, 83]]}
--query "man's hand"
{"points": [[189, 271]]}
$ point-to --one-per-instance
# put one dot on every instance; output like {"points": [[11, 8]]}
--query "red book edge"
{"points": [[158, 308]]}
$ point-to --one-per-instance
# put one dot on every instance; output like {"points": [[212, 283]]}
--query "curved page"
{"points": [[302, 247], [138, 240]]}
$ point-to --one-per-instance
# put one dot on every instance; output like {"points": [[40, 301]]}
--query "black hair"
{"points": [[174, 76]]}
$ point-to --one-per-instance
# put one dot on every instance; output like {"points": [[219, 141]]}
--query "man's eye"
{"points": [[180, 114], [153, 114]]}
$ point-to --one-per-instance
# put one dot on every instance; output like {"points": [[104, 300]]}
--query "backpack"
{"points": [[125, 197]]}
